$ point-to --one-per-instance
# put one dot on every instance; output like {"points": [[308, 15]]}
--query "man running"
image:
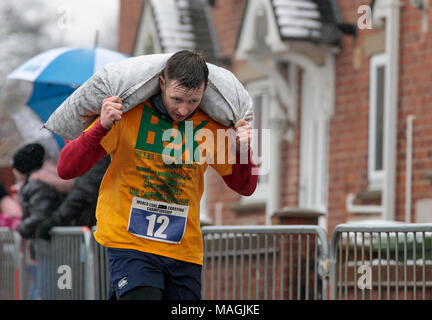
{"points": [[148, 212]]}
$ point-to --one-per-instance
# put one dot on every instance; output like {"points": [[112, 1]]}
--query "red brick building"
{"points": [[343, 86]]}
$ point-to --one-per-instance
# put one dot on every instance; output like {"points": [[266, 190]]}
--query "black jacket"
{"points": [[79, 206], [38, 201]]}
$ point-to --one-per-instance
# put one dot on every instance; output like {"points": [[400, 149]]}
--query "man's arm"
{"points": [[241, 179], [80, 155]]}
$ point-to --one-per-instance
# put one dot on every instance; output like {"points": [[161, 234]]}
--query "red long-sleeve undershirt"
{"points": [[80, 155]]}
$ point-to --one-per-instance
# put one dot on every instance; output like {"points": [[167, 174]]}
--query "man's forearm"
{"points": [[241, 179], [80, 155]]}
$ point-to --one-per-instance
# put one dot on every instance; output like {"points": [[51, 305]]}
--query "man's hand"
{"points": [[111, 112], [243, 135]]}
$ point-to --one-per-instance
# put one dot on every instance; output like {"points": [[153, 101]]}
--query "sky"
{"points": [[68, 22], [78, 21]]}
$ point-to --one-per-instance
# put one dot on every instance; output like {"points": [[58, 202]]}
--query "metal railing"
{"points": [[8, 264], [260, 262], [59, 269], [381, 262], [71, 266], [240, 262]]}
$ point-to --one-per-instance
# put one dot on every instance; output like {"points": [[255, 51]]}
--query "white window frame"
{"points": [[375, 177], [313, 182], [147, 35], [260, 88]]}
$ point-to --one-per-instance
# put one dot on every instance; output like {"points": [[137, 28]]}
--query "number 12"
{"points": [[164, 220]]}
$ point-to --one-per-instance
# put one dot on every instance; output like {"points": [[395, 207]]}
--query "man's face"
{"points": [[179, 101]]}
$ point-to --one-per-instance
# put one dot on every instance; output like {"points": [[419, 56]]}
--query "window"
{"points": [[259, 91], [376, 121], [313, 182]]}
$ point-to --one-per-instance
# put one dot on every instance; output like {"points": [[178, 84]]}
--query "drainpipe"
{"points": [[390, 113], [408, 180], [218, 213]]}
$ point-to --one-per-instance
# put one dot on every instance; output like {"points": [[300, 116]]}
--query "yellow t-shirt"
{"points": [[146, 204]]}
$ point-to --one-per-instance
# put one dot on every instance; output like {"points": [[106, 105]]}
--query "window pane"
{"points": [[259, 124], [258, 121], [379, 125]]}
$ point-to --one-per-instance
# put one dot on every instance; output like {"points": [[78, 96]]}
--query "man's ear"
{"points": [[162, 83]]}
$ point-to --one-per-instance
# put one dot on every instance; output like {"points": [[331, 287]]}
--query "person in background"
{"points": [[10, 210], [38, 200], [79, 206]]}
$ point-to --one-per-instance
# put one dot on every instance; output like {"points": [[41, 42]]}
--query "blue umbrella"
{"points": [[56, 73]]}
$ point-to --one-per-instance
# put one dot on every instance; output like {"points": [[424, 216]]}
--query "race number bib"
{"points": [[156, 220]]}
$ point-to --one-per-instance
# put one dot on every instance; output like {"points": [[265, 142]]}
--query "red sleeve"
{"points": [[241, 179], [80, 155]]}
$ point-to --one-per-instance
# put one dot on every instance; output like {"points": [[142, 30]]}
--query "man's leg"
{"points": [[183, 281], [134, 275], [143, 293]]}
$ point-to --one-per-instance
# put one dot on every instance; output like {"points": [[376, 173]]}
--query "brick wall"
{"points": [[349, 125], [227, 16], [129, 17], [6, 178], [348, 144], [415, 97]]}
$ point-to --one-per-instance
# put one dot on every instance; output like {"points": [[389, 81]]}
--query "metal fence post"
{"points": [[9, 266], [256, 259], [89, 281], [245, 262], [386, 257]]}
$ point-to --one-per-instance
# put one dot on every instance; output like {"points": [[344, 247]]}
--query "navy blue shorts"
{"points": [[130, 269]]}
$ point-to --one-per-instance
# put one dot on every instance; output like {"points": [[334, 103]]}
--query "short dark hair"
{"points": [[29, 158], [188, 67]]}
